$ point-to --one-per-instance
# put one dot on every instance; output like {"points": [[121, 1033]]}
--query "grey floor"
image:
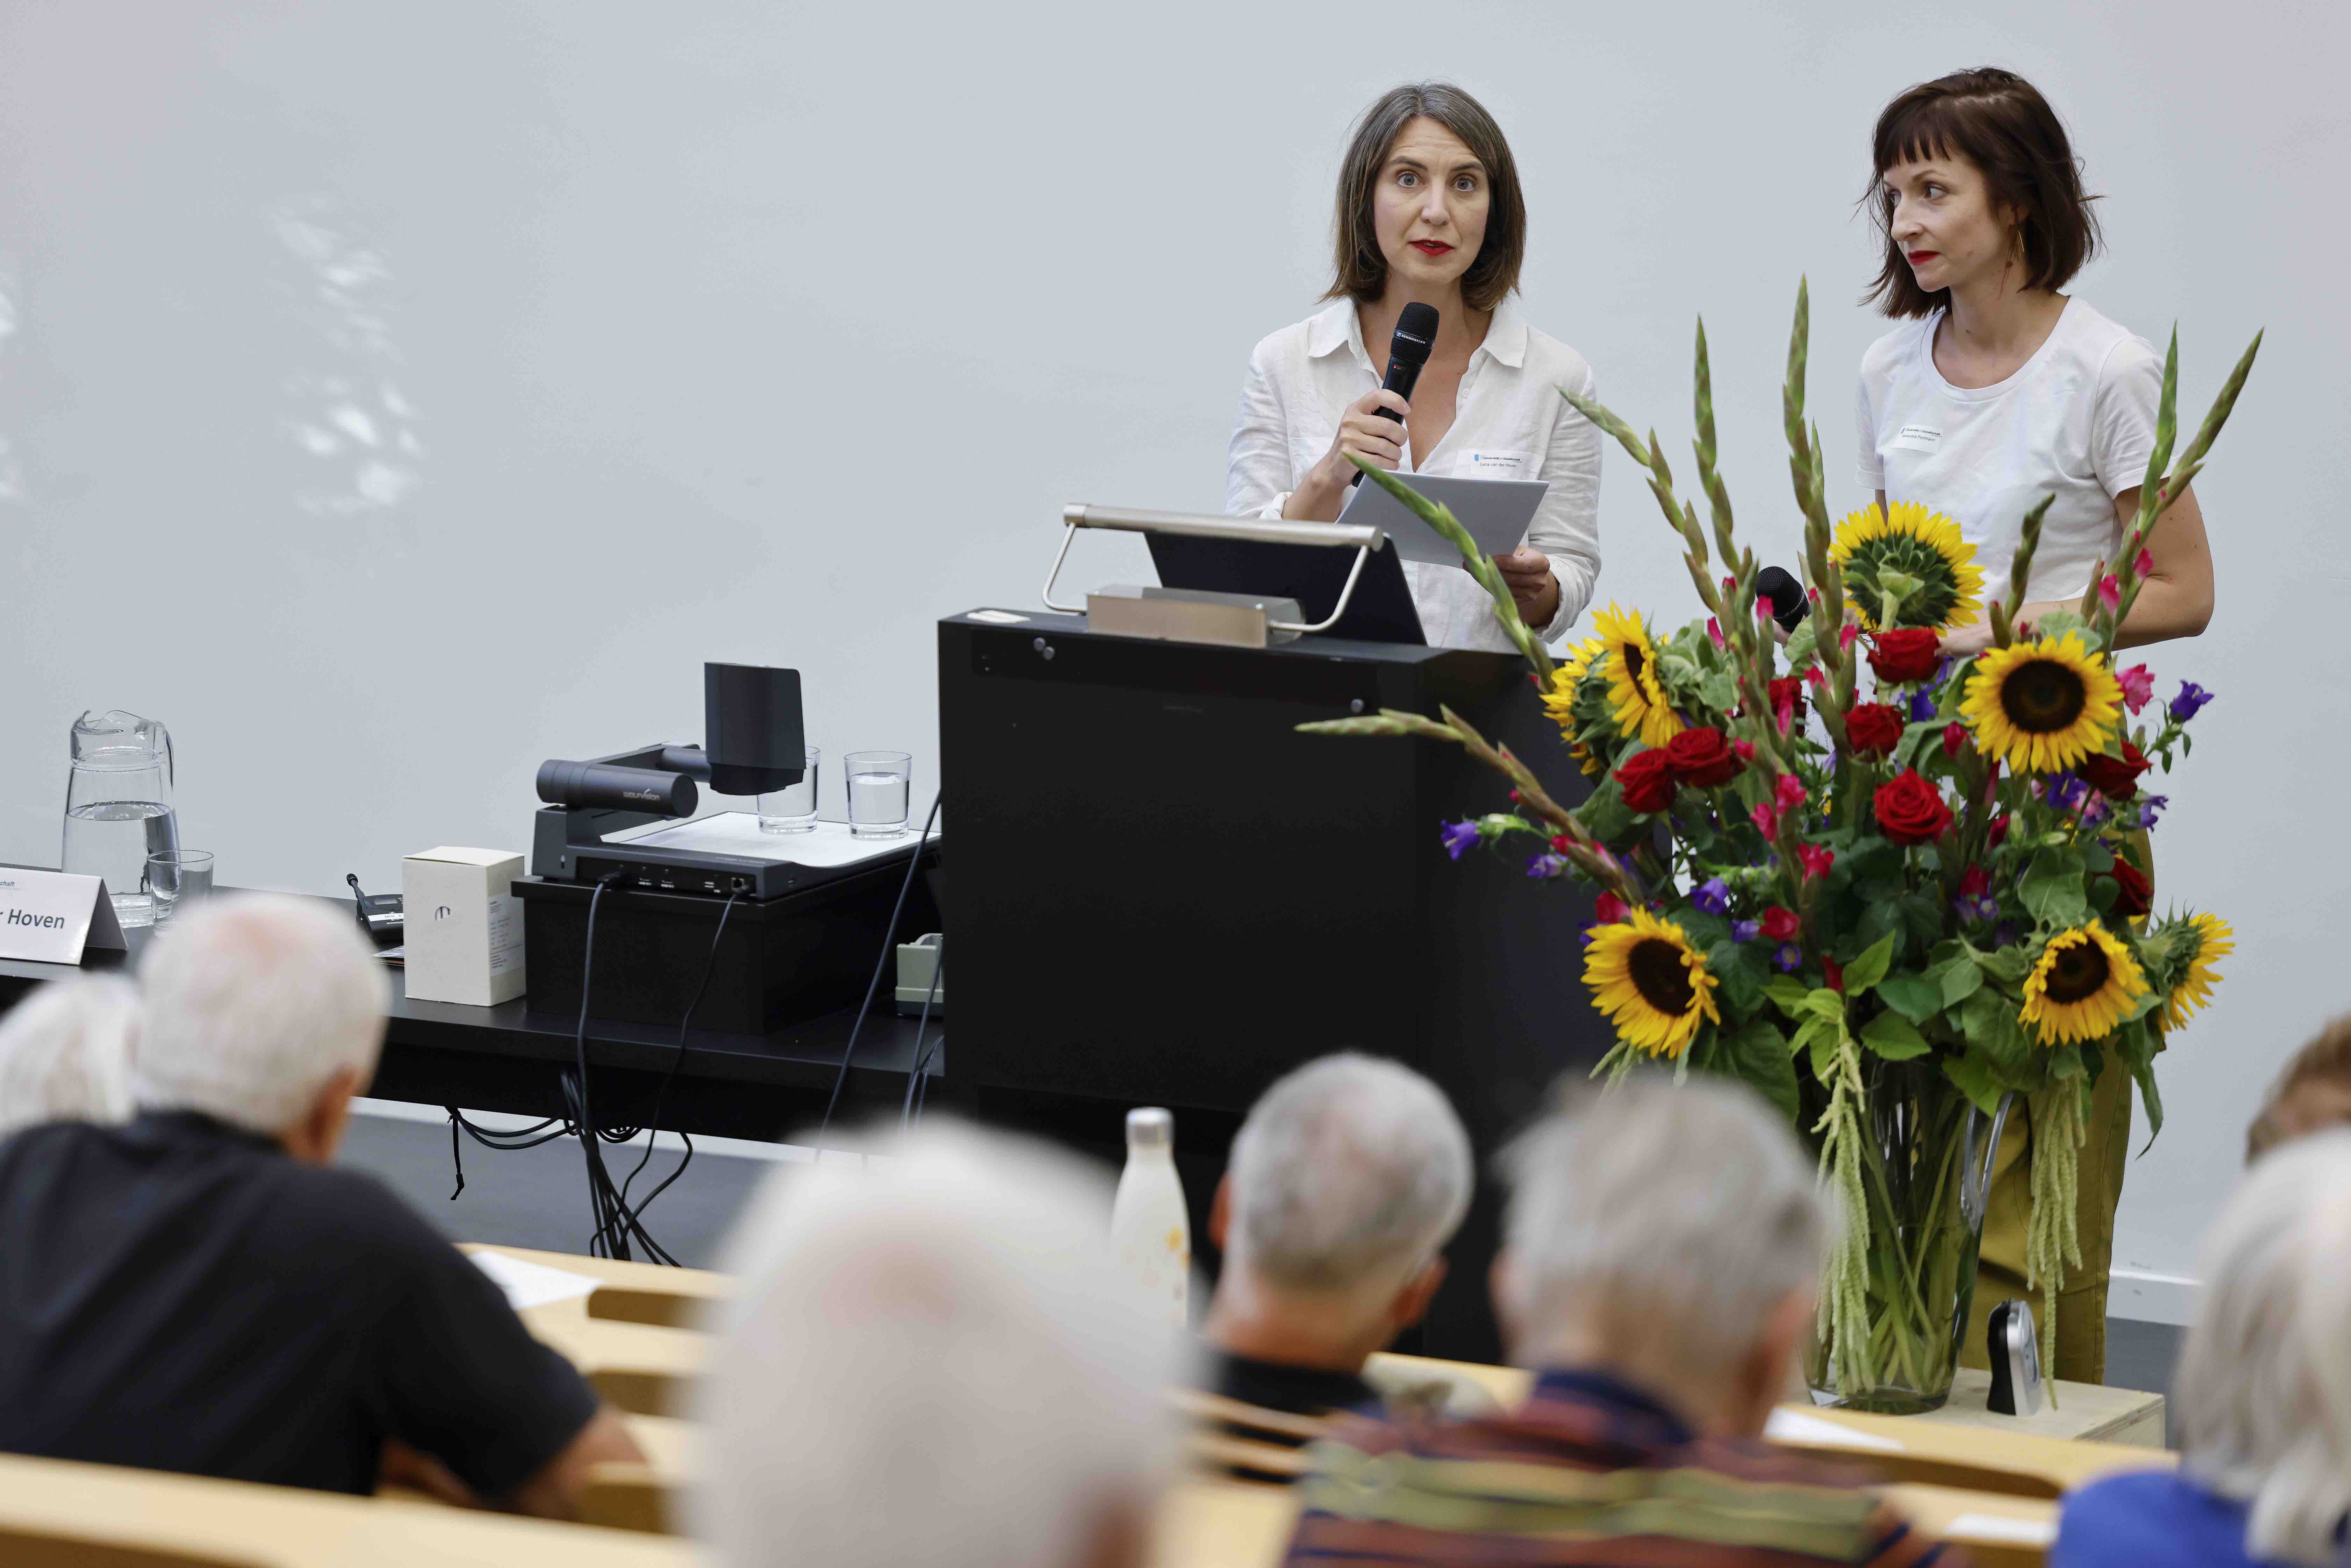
{"points": [[537, 1197]]}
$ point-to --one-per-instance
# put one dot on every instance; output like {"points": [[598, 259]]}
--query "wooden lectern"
{"points": [[1160, 892]]}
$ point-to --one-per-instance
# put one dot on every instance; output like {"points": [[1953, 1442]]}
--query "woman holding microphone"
{"points": [[1429, 212], [1996, 391]]}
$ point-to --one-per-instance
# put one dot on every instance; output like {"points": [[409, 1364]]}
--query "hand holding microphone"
{"points": [[1373, 426]]}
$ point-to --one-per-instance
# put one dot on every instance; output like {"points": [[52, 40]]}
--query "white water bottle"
{"points": [[1149, 1230]]}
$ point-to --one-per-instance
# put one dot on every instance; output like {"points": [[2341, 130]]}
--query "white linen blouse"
{"points": [[1509, 423]]}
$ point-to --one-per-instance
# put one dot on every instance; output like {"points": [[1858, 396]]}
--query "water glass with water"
{"points": [[791, 809], [880, 784], [178, 876]]}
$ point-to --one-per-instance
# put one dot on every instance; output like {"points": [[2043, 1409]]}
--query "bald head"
{"points": [[254, 1006]]}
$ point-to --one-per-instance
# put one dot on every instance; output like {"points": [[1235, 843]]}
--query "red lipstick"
{"points": [[1432, 247]]}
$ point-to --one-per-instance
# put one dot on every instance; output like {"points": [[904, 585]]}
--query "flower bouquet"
{"points": [[1891, 901]]}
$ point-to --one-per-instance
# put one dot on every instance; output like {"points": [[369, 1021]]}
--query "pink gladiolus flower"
{"points": [[1813, 673], [1608, 908], [1714, 630], [1817, 859], [1766, 820], [1846, 635], [1729, 585], [1745, 749], [2138, 687], [1954, 736], [2110, 592], [2144, 564], [1789, 791]]}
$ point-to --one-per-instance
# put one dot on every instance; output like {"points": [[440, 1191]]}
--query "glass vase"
{"points": [[1927, 1172]]}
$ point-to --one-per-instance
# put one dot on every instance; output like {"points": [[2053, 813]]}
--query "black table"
{"points": [[505, 1057]]}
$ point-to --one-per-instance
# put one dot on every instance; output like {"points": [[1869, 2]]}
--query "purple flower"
{"points": [[2094, 812], [1745, 930], [2191, 698], [2148, 807], [1922, 705], [1974, 910], [1457, 837], [2003, 935], [1787, 957], [2066, 792], [1713, 896], [1546, 866]]}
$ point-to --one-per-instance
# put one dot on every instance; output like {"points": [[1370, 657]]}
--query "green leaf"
{"points": [[2051, 888], [1787, 994], [1825, 1041], [1741, 991], [1604, 815], [1916, 997], [1881, 923], [1893, 1037], [1825, 1005], [1803, 643], [1865, 971], [1958, 979], [1758, 1052], [2009, 965], [1972, 1079]]}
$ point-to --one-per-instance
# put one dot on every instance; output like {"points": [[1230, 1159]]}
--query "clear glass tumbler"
{"points": [[791, 809], [178, 876], [880, 783]]}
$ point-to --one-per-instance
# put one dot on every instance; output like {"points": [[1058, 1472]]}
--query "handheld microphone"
{"points": [[1415, 335], [1789, 604]]}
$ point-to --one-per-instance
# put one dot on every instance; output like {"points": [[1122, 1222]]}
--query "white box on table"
{"points": [[464, 926]]}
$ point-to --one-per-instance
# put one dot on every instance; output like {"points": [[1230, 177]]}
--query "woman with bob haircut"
{"points": [[2263, 1390], [1996, 392], [1429, 211]]}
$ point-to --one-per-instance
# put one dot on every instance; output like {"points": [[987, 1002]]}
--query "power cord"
{"points": [[653, 1127], [889, 934], [922, 1057]]}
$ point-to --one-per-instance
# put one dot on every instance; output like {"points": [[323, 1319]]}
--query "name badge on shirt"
{"points": [[1483, 464], [1918, 438]]}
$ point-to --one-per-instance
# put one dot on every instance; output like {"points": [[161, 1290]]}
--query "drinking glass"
{"points": [[173, 875], [880, 783], [791, 809]]}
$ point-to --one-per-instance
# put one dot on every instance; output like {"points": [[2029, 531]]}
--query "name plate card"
{"points": [[50, 916]]}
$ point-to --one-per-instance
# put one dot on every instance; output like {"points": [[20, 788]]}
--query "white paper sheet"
{"points": [[2000, 1526], [738, 834], [528, 1284], [1788, 1425]]}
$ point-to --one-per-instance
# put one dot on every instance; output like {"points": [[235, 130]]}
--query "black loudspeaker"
{"points": [[751, 728]]}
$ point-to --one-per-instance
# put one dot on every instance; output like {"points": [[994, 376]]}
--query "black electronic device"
{"points": [[2015, 1355], [1381, 611], [753, 743], [1789, 604], [1408, 349], [382, 915]]}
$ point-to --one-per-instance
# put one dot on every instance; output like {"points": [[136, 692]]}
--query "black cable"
{"points": [[922, 1057], [653, 1126], [889, 932], [615, 1224]]}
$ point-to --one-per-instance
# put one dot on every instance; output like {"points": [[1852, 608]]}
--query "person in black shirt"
{"points": [[200, 1291], [1346, 1181]]}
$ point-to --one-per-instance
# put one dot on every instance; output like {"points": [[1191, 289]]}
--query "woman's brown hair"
{"points": [[1362, 272], [2000, 123]]}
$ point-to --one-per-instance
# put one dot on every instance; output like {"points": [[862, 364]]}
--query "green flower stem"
{"points": [[1489, 576]]}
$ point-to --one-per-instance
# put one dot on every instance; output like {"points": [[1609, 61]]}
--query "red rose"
{"points": [[1910, 811], [2138, 896], [1817, 859], [1647, 780], [1954, 736], [2116, 777], [1779, 923], [1702, 758], [1873, 727], [1832, 972], [1996, 832], [1608, 909], [1910, 655], [1975, 882]]}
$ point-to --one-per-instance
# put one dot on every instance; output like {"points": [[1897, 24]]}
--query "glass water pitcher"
{"points": [[118, 807]]}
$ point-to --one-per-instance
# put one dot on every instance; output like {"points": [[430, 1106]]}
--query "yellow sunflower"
{"points": [[1636, 699], [2213, 940], [1650, 981], [1922, 545], [2084, 985], [1560, 701], [2044, 705]]}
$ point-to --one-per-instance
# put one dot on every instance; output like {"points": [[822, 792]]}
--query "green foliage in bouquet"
{"points": [[1940, 897]]}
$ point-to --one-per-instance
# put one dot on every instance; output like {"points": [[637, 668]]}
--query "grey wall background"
{"points": [[394, 395]]}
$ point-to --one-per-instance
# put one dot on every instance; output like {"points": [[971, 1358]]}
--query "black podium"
{"points": [[1159, 892]]}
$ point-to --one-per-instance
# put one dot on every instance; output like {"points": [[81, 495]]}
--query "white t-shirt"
{"points": [[1509, 423], [2078, 419]]}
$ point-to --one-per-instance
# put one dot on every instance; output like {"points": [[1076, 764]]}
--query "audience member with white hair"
{"points": [[2263, 1389], [1345, 1183], [200, 1291], [65, 1053], [1660, 1249], [933, 1364]]}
